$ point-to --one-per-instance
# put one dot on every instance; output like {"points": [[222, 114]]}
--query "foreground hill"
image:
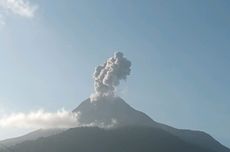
{"points": [[124, 139], [30, 136]]}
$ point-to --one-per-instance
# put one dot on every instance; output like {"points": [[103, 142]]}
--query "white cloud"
{"points": [[40, 119], [18, 7], [45, 120]]}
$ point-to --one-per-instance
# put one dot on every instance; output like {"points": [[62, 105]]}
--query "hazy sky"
{"points": [[180, 53]]}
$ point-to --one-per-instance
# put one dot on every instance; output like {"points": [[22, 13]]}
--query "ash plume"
{"points": [[107, 76]]}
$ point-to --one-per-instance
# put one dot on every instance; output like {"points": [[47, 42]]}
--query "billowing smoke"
{"points": [[107, 76], [47, 120]]}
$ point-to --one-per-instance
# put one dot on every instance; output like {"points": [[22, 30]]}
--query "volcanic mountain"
{"points": [[121, 128], [116, 112], [113, 112]]}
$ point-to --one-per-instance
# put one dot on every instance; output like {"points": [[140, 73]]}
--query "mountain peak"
{"points": [[108, 110]]}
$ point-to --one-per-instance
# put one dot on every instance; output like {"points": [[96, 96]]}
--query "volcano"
{"points": [[127, 130], [116, 112], [121, 128], [115, 126], [106, 123]]}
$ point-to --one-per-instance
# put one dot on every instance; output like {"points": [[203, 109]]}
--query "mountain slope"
{"points": [[123, 139], [117, 109], [30, 136], [198, 138]]}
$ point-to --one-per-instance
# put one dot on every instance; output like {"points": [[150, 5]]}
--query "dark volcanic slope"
{"points": [[30, 136], [124, 139], [116, 108]]}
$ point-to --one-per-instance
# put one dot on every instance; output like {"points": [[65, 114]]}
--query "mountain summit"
{"points": [[114, 112]]}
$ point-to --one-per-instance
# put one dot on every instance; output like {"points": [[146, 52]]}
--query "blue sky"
{"points": [[179, 52]]}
